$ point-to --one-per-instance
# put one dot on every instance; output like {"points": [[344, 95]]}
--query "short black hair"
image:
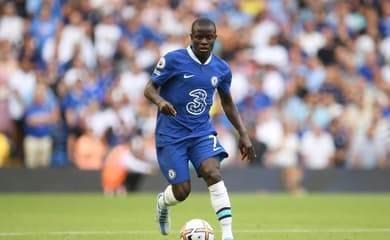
{"points": [[202, 21]]}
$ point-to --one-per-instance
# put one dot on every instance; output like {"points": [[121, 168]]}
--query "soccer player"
{"points": [[183, 86]]}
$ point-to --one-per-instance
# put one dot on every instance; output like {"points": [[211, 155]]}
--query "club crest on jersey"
{"points": [[214, 81], [171, 174]]}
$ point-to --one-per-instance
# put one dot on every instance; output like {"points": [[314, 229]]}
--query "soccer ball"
{"points": [[197, 229]]}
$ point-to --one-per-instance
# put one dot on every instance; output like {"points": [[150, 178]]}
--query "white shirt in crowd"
{"points": [[133, 82], [287, 154], [269, 129], [274, 85], [317, 149], [24, 84], [11, 28], [106, 39]]}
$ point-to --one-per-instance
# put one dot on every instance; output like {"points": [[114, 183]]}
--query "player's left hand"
{"points": [[246, 148]]}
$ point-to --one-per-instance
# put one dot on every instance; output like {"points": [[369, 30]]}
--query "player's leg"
{"points": [[206, 154], [174, 166], [174, 193], [218, 195]]}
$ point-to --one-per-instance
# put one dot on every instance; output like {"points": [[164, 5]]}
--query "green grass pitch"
{"points": [[256, 216]]}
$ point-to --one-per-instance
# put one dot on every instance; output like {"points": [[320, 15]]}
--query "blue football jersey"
{"points": [[190, 87]]}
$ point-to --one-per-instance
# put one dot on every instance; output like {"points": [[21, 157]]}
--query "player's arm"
{"points": [[245, 145], [152, 94]]}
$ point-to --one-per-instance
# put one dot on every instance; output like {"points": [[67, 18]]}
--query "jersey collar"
{"points": [[193, 56]]}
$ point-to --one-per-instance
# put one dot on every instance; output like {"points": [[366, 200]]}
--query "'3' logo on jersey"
{"points": [[198, 104]]}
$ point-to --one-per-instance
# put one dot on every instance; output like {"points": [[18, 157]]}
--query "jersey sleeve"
{"points": [[163, 71], [226, 81]]}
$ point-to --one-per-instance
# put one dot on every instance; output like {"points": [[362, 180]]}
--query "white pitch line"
{"points": [[139, 232], [325, 230]]}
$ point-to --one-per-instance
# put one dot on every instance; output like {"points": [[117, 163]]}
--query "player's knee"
{"points": [[182, 191], [210, 171], [212, 175]]}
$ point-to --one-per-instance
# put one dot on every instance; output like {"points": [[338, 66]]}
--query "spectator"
{"points": [[29, 51], [369, 68], [273, 84], [257, 99], [333, 84], [8, 61], [317, 148], [294, 105], [314, 74], [44, 26], [75, 39], [93, 89], [5, 149], [241, 84], [6, 121], [33, 7], [105, 74], [342, 139], [119, 164], [285, 153], [327, 53], [89, 151], [230, 41], [384, 22], [309, 39], [74, 105], [269, 128], [368, 151], [77, 71], [39, 119], [273, 54], [262, 31], [132, 81], [11, 25], [22, 83], [360, 107], [60, 156], [297, 65], [107, 34]]}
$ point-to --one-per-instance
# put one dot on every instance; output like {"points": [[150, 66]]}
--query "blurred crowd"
{"points": [[310, 78]]}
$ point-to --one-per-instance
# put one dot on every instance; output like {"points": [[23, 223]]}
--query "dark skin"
{"points": [[203, 35]]}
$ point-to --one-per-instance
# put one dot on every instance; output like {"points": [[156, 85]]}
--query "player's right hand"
{"points": [[166, 108], [246, 148]]}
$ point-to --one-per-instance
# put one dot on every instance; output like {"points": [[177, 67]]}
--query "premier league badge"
{"points": [[214, 81]]}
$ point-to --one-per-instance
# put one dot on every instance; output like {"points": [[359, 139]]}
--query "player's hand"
{"points": [[246, 148], [166, 108]]}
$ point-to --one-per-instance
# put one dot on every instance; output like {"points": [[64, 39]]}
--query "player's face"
{"points": [[203, 38]]}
